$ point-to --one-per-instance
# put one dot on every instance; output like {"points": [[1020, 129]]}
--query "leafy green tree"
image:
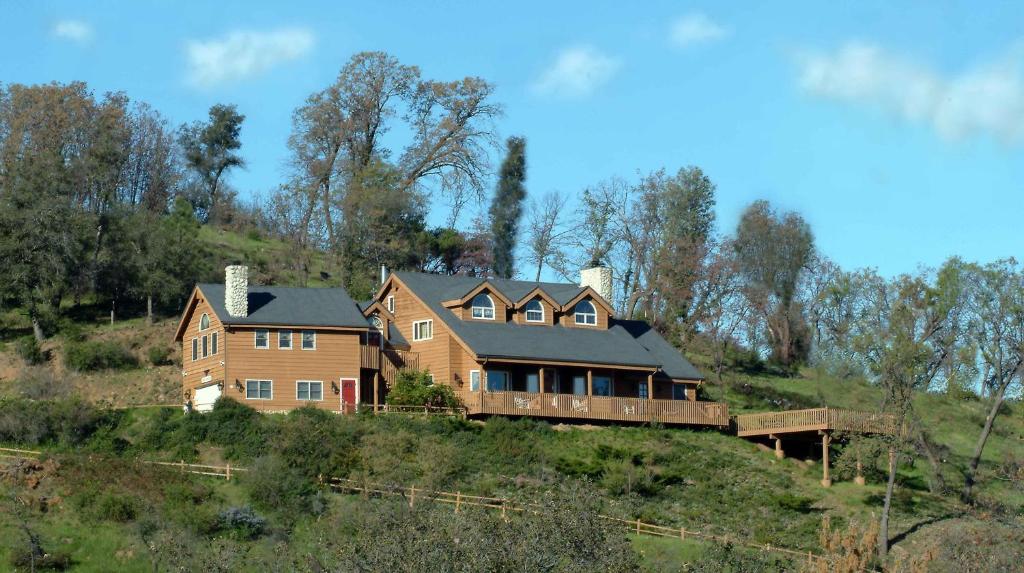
{"points": [[773, 252], [507, 207], [416, 388], [210, 152]]}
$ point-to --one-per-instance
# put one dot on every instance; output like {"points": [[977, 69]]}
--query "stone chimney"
{"points": [[600, 279], [236, 290]]}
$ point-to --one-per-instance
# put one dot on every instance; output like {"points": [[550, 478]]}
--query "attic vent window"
{"points": [[483, 307], [534, 311], [585, 312], [204, 321]]}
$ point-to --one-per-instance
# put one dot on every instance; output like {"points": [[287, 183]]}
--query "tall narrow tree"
{"points": [[507, 207], [210, 151]]}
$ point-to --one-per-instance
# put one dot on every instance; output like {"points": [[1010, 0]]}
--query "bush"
{"points": [[28, 350], [159, 355], [68, 422], [115, 507], [98, 355], [40, 383], [415, 388], [22, 558], [279, 488], [242, 522]]}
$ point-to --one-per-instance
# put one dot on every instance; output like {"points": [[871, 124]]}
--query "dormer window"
{"points": [[585, 313], [534, 311], [204, 321], [483, 307]]}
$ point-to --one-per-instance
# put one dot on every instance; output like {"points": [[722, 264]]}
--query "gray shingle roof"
{"points": [[292, 306], [624, 343]]}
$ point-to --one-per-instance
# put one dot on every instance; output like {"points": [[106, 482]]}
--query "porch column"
{"points": [[826, 478], [779, 454], [540, 379], [590, 382], [376, 391], [650, 386]]}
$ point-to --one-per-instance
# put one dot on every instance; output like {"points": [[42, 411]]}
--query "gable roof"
{"points": [[617, 345], [290, 306]]}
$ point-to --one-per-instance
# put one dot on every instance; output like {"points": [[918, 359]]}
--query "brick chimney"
{"points": [[600, 279], [236, 290]]}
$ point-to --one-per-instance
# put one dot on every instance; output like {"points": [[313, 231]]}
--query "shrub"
{"points": [[28, 350], [40, 383], [414, 388], [111, 506], [279, 488], [98, 355], [69, 422], [23, 557], [242, 522], [159, 355]]}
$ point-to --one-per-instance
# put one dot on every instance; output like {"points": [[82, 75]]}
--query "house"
{"points": [[507, 347]]}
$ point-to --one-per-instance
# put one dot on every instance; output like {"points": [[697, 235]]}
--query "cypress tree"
{"points": [[507, 207]]}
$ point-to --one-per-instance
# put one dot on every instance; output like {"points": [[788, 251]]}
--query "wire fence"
{"points": [[460, 501]]}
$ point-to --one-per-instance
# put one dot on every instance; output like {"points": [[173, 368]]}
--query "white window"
{"points": [[259, 389], [308, 390], [679, 392], [284, 339], [642, 390], [206, 346], [262, 338], [213, 343], [533, 382], [534, 311], [376, 323], [391, 304], [195, 349], [204, 321], [585, 312], [602, 385], [474, 380], [579, 385], [309, 340], [423, 330], [483, 307], [497, 381], [431, 375]]}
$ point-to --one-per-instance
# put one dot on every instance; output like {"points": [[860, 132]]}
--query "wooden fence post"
{"points": [[682, 534], [227, 471], [504, 502], [412, 496], [458, 500], [182, 464]]}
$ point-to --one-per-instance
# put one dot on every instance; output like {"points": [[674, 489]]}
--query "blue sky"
{"points": [[896, 130]]}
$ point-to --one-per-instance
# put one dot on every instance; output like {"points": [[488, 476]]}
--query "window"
{"points": [[602, 386], [259, 389], [679, 392], [262, 338], [284, 339], [213, 343], [642, 390], [533, 383], [309, 340], [585, 312], [431, 375], [483, 307], [307, 391], [376, 322], [534, 311], [206, 346], [497, 381], [423, 330], [474, 380], [391, 304], [204, 321], [195, 349], [579, 385]]}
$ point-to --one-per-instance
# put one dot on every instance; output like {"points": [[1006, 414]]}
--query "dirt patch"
{"points": [[27, 472]]}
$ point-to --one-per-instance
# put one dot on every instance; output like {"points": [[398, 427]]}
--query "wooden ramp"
{"points": [[814, 420]]}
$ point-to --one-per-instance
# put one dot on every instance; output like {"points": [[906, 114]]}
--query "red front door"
{"points": [[348, 394]]}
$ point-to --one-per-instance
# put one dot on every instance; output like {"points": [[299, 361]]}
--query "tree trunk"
{"points": [[37, 328], [149, 310], [972, 467], [883, 529]]}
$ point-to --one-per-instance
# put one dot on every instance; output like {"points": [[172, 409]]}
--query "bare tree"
{"points": [[547, 229]]}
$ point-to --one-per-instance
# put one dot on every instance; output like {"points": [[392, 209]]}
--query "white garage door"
{"points": [[205, 397]]}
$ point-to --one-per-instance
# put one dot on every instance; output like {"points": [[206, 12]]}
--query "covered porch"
{"points": [[587, 392]]}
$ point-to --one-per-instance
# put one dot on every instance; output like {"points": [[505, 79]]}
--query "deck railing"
{"points": [[388, 360], [815, 419], [596, 408]]}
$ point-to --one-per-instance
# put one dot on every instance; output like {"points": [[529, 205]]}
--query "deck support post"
{"points": [[540, 379], [779, 454], [376, 391], [590, 382], [650, 386], [826, 478]]}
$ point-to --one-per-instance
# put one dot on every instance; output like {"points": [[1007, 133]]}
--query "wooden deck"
{"points": [[573, 406], [387, 360], [814, 420]]}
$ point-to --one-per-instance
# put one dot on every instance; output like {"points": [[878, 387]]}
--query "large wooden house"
{"points": [[507, 347]]}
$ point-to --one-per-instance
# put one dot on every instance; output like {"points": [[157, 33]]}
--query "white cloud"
{"points": [[696, 29], [74, 30], [243, 53], [984, 99], [577, 72]]}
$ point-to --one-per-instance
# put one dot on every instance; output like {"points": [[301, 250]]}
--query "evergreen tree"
{"points": [[507, 207], [210, 151]]}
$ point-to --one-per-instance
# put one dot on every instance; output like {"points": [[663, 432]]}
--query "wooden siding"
{"points": [[213, 365], [337, 356], [519, 316], [597, 408], [569, 318], [433, 353]]}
